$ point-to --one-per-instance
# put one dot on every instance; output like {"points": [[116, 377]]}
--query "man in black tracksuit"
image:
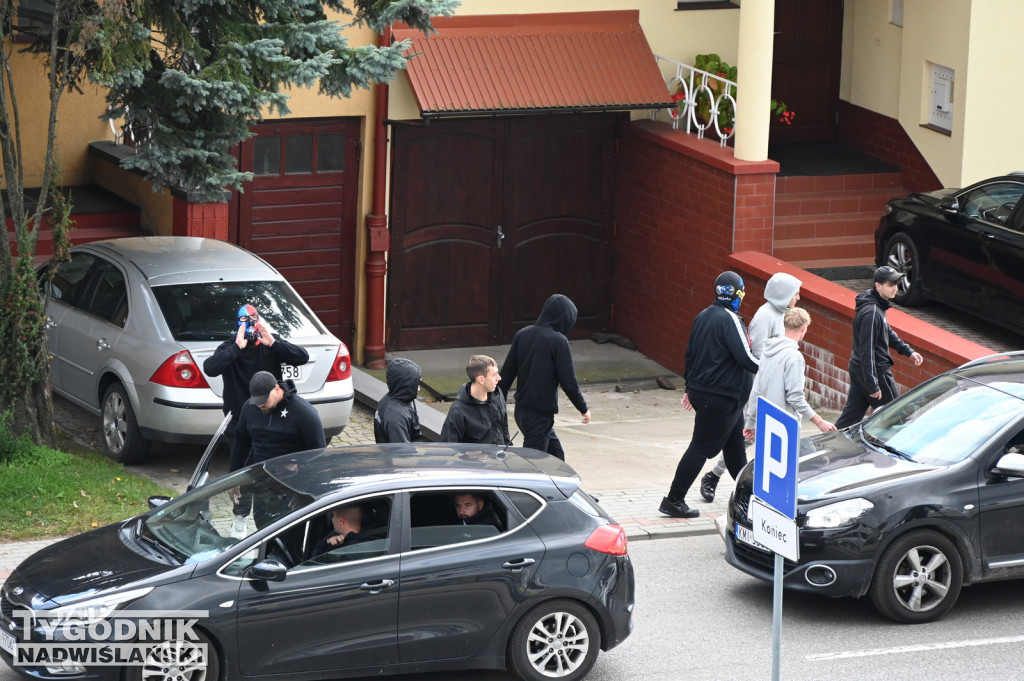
{"points": [[253, 349], [478, 413], [395, 419], [273, 422], [541, 360], [871, 380], [719, 373]]}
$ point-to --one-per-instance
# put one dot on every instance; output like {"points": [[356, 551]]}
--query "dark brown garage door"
{"points": [[492, 216], [298, 213]]}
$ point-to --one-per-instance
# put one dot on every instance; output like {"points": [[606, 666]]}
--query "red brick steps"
{"points": [[829, 221]]}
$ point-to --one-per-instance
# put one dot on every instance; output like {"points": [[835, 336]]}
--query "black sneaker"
{"points": [[708, 485], [677, 509]]}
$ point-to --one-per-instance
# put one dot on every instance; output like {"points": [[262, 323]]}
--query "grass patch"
{"points": [[50, 493]]}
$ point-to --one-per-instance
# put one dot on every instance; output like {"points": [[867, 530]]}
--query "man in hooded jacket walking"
{"points": [[478, 413], [395, 419], [540, 361], [719, 372]]}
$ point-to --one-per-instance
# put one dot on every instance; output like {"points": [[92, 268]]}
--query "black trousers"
{"points": [[858, 400], [538, 430], [717, 427]]}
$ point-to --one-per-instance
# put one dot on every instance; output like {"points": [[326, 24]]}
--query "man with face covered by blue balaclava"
{"points": [[719, 372], [253, 348]]}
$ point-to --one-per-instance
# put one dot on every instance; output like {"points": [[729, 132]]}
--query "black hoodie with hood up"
{"points": [[541, 360], [395, 419]]}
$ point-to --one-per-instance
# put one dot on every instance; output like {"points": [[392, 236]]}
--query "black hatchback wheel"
{"points": [[556, 640], [183, 660], [918, 578], [901, 253]]}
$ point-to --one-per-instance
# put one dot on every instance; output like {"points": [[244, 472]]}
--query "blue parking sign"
{"points": [[775, 463]]}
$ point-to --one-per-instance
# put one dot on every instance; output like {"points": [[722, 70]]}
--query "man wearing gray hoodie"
{"points": [[781, 292], [780, 380]]}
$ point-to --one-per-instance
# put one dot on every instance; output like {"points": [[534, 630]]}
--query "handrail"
{"points": [[689, 81]]}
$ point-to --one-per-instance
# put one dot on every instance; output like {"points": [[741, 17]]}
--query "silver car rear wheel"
{"points": [[121, 436]]}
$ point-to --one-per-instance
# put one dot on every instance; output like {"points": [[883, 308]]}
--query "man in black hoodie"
{"points": [[274, 421], [719, 373], [871, 380], [478, 413], [395, 419], [541, 360]]}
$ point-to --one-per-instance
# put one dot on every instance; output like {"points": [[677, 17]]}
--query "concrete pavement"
{"points": [[625, 456]]}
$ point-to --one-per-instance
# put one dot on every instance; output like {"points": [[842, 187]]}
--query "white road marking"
{"points": [[899, 650]]}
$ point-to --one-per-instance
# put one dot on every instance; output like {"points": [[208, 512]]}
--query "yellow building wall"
{"points": [[993, 140], [78, 123], [871, 57]]}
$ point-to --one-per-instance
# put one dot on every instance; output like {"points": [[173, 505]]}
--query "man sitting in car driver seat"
{"points": [[472, 509], [348, 523]]}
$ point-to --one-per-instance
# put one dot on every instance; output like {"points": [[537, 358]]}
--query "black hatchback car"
{"points": [[538, 580], [921, 498], [962, 247]]}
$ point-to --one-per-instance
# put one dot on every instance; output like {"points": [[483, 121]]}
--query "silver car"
{"points": [[130, 322]]}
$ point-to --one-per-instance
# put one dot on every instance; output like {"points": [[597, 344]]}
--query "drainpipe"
{"points": [[377, 225]]}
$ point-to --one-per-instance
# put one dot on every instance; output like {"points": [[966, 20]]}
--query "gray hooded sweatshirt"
{"points": [[780, 380], [767, 321]]}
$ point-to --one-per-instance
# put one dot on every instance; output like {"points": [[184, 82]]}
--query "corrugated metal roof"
{"points": [[573, 61]]}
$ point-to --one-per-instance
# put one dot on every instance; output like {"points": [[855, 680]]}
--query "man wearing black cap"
{"points": [[719, 372], [274, 421], [871, 380]]}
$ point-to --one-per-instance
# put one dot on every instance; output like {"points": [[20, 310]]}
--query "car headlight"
{"points": [[839, 514], [86, 612]]}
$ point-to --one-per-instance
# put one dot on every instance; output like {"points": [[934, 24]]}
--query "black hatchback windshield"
{"points": [[946, 420], [208, 311]]}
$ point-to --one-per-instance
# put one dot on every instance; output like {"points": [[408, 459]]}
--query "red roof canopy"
{"points": [[523, 63]]}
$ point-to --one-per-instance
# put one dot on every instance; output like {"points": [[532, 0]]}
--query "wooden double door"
{"points": [[489, 217]]}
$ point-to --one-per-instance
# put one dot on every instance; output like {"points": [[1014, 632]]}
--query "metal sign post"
{"points": [[773, 506]]}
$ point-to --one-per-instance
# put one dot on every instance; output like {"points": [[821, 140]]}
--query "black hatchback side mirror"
{"points": [[267, 570], [157, 500]]}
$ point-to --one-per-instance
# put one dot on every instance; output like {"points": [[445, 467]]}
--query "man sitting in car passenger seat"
{"points": [[348, 523], [473, 510]]}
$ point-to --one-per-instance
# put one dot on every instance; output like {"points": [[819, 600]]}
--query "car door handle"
{"points": [[518, 564], [374, 587], [102, 344]]}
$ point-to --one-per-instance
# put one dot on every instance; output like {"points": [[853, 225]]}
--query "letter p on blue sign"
{"points": [[775, 465]]}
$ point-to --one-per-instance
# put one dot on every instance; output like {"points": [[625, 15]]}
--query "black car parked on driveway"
{"points": [[921, 498], [961, 247], [539, 587]]}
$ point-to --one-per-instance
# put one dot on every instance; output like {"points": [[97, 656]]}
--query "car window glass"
{"points": [[946, 420], [350, 531], [70, 279], [435, 520], [527, 504], [107, 295], [208, 311], [198, 526], [993, 202]]}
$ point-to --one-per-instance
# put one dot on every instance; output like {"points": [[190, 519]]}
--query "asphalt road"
{"points": [[698, 618]]}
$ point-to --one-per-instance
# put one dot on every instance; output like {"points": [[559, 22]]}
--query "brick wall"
{"points": [[682, 206], [885, 139], [827, 344]]}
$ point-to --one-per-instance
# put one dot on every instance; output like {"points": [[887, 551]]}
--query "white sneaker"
{"points": [[238, 527]]}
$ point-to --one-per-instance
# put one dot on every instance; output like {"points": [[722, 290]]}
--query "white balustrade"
{"points": [[693, 84]]}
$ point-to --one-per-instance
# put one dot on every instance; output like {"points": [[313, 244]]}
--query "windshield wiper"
{"points": [[154, 545], [881, 445]]}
